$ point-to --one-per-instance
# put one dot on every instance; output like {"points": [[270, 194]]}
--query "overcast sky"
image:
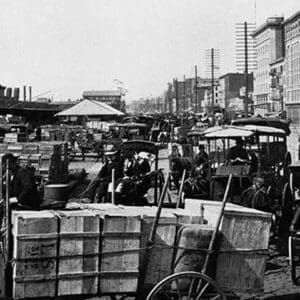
{"points": [[67, 46]]}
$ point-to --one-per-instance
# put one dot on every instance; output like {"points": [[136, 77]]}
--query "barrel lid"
{"points": [[53, 186]]}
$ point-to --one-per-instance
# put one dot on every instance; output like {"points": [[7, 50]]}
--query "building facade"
{"points": [[292, 68], [231, 87], [269, 48], [112, 98]]}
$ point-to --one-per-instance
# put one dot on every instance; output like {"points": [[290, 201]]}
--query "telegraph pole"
{"points": [[184, 93], [196, 86], [246, 68], [212, 86], [176, 95]]}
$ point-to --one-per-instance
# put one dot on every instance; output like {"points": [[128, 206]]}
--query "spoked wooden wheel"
{"points": [[186, 286]]}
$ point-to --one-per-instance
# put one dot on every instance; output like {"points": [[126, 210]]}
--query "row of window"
{"points": [[261, 99], [262, 36], [262, 88], [261, 76], [293, 79], [292, 30], [293, 96], [263, 49]]}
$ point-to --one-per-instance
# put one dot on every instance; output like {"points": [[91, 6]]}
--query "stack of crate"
{"points": [[78, 265], [14, 137]]}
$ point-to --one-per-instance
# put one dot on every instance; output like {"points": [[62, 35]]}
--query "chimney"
{"points": [[30, 93], [24, 92], [2, 89], [16, 93], [8, 92]]}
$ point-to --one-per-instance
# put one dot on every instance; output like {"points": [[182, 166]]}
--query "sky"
{"points": [[64, 47]]}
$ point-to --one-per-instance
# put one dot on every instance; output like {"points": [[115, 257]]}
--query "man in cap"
{"points": [[23, 185], [114, 161]]}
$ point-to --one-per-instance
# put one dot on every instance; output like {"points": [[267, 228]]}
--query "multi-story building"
{"points": [[269, 49], [292, 67], [231, 86]]}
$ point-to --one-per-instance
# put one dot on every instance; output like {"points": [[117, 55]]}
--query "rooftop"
{"points": [[271, 22], [101, 93], [292, 17]]}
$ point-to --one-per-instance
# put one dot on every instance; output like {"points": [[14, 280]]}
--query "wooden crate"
{"points": [[34, 253], [119, 270], [15, 149], [30, 148], [243, 246], [183, 217], [160, 260], [78, 267]]}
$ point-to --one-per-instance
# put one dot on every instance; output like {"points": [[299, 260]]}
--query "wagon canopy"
{"points": [[228, 132], [242, 131], [269, 122]]}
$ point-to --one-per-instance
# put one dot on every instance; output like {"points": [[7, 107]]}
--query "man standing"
{"points": [[23, 185], [104, 177]]}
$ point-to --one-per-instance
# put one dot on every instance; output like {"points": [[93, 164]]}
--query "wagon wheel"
{"points": [[186, 285], [286, 217]]}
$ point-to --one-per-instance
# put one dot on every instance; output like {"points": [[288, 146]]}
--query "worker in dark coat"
{"points": [[23, 185], [237, 152], [201, 161], [104, 177]]}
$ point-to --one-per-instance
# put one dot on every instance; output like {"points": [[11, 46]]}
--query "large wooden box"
{"points": [[243, 247], [120, 241], [161, 255], [78, 266], [35, 253]]}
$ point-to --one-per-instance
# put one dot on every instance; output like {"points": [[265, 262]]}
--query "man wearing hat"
{"points": [[114, 161], [23, 185], [201, 160]]}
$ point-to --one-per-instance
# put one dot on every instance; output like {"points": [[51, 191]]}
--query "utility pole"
{"points": [[212, 86], [176, 95], [184, 93], [196, 86], [246, 69]]}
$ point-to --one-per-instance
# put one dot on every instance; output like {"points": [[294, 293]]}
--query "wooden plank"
{"points": [[78, 253], [34, 258]]}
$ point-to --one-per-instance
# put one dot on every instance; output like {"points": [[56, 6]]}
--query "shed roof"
{"points": [[90, 108]]}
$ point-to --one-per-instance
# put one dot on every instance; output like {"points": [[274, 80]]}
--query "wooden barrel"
{"points": [[56, 192]]}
